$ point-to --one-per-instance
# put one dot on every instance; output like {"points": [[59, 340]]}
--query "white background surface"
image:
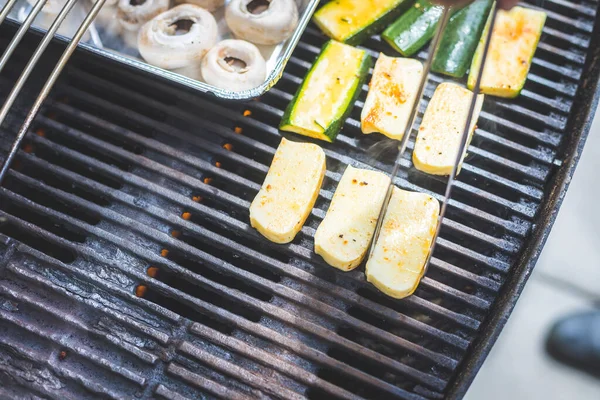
{"points": [[566, 280]]}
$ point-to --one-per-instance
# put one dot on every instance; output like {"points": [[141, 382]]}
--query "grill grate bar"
{"points": [[498, 200], [248, 142], [240, 322], [147, 329], [62, 341], [487, 260], [262, 356], [584, 26], [252, 303], [60, 315], [116, 131], [254, 380], [15, 346], [584, 9], [244, 228], [262, 283], [203, 383], [128, 94], [165, 393]]}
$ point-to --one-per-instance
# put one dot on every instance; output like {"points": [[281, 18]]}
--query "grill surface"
{"points": [[129, 270]]}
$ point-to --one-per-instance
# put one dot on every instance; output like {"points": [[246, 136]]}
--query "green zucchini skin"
{"points": [[460, 39], [367, 31], [409, 33], [380, 24], [334, 127]]}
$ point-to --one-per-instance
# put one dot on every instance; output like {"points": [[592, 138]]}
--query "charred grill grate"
{"points": [[129, 269]]}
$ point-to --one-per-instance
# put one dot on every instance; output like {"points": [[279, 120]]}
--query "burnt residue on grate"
{"points": [[129, 269]]}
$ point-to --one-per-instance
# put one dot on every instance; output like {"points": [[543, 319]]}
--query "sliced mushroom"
{"points": [[234, 65], [262, 21], [134, 13], [210, 5], [178, 37]]}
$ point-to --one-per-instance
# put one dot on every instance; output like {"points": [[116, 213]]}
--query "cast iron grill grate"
{"points": [[129, 269]]}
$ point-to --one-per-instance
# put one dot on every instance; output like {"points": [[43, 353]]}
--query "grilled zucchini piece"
{"points": [[325, 98], [343, 237], [289, 191], [352, 21], [392, 94], [409, 33], [513, 44], [398, 261], [441, 129], [460, 39]]}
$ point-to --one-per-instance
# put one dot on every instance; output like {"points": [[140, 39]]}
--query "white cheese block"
{"points": [[398, 261], [442, 127], [344, 235], [289, 191], [392, 93]]}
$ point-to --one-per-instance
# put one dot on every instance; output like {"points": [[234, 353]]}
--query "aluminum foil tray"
{"points": [[100, 39]]}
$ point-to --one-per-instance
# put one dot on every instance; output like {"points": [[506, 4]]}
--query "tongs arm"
{"points": [[464, 138], [32, 63], [411, 121]]}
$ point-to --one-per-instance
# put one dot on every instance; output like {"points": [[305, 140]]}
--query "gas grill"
{"points": [[129, 270]]}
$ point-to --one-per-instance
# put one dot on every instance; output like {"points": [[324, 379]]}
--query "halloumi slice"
{"points": [[343, 237], [392, 93], [398, 261], [289, 191], [442, 127]]}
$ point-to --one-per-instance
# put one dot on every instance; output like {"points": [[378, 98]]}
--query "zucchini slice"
{"points": [[352, 21], [344, 235], [325, 98], [398, 261], [409, 33], [392, 93], [513, 44], [442, 127], [289, 191], [460, 39]]}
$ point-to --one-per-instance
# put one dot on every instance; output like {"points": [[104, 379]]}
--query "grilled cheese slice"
{"points": [[442, 127], [398, 261], [289, 191], [343, 237], [392, 93]]}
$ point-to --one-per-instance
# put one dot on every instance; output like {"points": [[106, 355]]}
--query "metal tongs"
{"points": [[407, 133], [33, 61]]}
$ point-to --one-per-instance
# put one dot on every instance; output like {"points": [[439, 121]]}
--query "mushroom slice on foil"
{"points": [[134, 13], [262, 21], [234, 65], [178, 37], [210, 5]]}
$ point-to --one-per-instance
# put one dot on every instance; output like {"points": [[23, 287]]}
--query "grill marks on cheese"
{"points": [[441, 129], [344, 235], [392, 94], [289, 191], [398, 261], [513, 44]]}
